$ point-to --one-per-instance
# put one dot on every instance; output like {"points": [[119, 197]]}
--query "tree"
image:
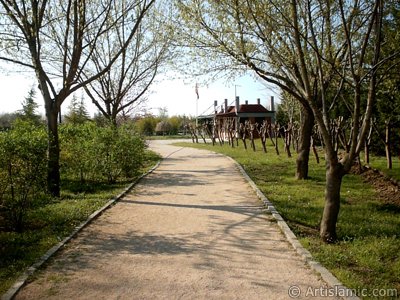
{"points": [[135, 70], [163, 127], [77, 112], [29, 107], [289, 110], [176, 123], [311, 49], [56, 40], [147, 124], [244, 35], [6, 120]]}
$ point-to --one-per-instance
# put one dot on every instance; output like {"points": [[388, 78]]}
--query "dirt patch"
{"points": [[388, 190]]}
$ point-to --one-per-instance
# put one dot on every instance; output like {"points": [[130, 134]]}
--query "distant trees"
{"points": [[27, 113], [6, 120], [289, 110], [386, 121], [146, 125], [162, 125]]}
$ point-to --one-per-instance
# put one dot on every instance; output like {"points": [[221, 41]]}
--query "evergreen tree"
{"points": [[29, 108], [77, 112]]}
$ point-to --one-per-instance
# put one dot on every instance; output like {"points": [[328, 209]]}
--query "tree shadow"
{"points": [[389, 207], [89, 186]]}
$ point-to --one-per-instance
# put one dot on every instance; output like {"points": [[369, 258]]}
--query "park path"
{"points": [[193, 229]]}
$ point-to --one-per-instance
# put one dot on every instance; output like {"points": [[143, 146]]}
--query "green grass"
{"points": [[168, 137], [368, 250], [47, 225]]}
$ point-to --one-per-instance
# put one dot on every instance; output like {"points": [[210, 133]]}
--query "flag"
{"points": [[196, 89]]}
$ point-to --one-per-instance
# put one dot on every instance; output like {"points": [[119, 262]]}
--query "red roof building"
{"points": [[254, 113], [232, 116]]}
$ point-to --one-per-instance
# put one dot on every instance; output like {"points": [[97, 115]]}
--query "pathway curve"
{"points": [[193, 229]]}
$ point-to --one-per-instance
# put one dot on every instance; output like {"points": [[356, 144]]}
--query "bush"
{"points": [[163, 128], [98, 153], [120, 152], [146, 125], [78, 151], [129, 151], [23, 166]]}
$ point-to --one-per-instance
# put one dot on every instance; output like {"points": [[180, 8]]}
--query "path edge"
{"points": [[339, 288], [21, 280]]}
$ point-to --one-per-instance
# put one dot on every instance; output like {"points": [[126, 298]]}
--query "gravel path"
{"points": [[193, 229]]}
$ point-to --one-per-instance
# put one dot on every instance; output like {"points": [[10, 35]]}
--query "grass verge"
{"points": [[48, 225], [367, 253], [168, 137]]}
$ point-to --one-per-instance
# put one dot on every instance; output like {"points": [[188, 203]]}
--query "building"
{"points": [[228, 118]]}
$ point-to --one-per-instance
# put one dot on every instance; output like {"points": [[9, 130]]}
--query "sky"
{"points": [[176, 95]]}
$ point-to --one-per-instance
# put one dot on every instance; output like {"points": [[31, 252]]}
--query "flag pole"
{"points": [[197, 104]]}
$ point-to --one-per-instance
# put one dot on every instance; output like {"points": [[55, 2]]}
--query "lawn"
{"points": [[48, 225], [366, 255]]}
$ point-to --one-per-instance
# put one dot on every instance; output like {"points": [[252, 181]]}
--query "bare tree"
{"points": [[56, 39], [135, 70]]}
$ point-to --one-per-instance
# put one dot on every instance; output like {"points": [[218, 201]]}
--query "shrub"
{"points": [[77, 150], [163, 128], [146, 125], [130, 151], [120, 152], [22, 171], [97, 153]]}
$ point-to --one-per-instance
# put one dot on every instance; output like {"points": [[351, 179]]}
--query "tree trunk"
{"points": [[53, 163], [314, 150], [303, 154], [388, 145], [334, 175]]}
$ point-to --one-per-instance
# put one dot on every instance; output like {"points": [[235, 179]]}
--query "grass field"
{"points": [[48, 225], [367, 253]]}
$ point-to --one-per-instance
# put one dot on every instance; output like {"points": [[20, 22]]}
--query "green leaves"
{"points": [[22, 170], [89, 152]]}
